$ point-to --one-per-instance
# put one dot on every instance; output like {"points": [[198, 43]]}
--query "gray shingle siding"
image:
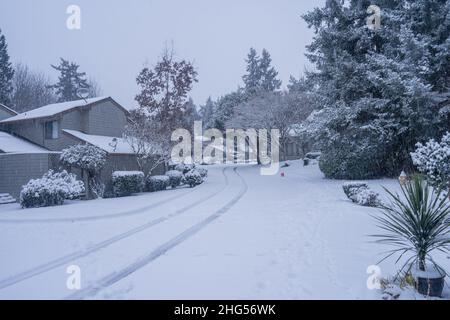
{"points": [[106, 119], [17, 169], [34, 131], [29, 130]]}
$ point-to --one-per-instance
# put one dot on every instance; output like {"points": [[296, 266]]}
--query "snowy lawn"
{"points": [[240, 235]]}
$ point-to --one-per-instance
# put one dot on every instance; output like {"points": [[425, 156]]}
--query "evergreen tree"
{"points": [[70, 81], [252, 79], [376, 86], [6, 72], [207, 113], [261, 77], [190, 114], [225, 107], [269, 81]]}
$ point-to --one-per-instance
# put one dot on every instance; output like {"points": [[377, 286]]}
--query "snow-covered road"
{"points": [[240, 235]]}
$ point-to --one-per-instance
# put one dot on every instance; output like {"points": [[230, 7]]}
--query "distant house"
{"points": [[30, 142], [295, 147]]}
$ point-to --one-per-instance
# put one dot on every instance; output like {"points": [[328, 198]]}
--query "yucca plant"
{"points": [[415, 222]]}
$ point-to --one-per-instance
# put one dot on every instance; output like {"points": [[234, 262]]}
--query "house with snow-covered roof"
{"points": [[30, 142]]}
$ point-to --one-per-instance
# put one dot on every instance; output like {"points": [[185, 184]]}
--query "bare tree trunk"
{"points": [[448, 187], [87, 185], [258, 159]]}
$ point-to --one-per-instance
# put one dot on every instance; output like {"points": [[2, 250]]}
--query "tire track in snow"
{"points": [[7, 282], [96, 218], [116, 276]]}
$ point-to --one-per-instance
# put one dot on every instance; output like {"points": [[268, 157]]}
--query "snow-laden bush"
{"points": [[184, 168], [433, 160], [344, 160], [157, 183], [175, 178], [84, 156], [192, 178], [351, 188], [311, 158], [202, 171], [359, 192], [50, 190], [90, 160], [367, 198], [126, 183]]}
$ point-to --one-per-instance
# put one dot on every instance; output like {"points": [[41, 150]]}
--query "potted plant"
{"points": [[416, 224]]}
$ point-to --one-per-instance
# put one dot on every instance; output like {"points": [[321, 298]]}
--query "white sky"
{"points": [[118, 36]]}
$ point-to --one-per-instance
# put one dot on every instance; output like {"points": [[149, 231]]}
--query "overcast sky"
{"points": [[118, 36]]}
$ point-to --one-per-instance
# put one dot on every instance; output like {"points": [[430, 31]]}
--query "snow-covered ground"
{"points": [[239, 235]]}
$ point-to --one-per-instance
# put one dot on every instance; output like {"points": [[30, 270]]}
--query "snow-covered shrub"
{"points": [[184, 168], [311, 158], [50, 190], [126, 183], [90, 160], [202, 171], [359, 192], [157, 183], [84, 156], [433, 160], [175, 178], [98, 188], [367, 198], [192, 178], [348, 160], [351, 188]]}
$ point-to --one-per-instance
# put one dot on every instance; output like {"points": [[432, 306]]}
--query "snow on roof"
{"points": [[12, 144], [9, 110], [109, 144], [52, 109]]}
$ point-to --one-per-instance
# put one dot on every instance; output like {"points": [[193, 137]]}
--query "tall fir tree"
{"points": [[70, 81], [252, 79], [190, 114], [207, 113], [6, 73], [269, 81], [261, 76]]}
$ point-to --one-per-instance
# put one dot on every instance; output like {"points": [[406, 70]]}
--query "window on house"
{"points": [[51, 130]]}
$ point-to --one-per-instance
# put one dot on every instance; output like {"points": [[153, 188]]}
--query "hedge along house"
{"points": [[52, 128]]}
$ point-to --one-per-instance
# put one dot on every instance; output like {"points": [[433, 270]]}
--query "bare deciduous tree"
{"points": [[272, 110], [30, 89], [162, 108], [164, 89], [147, 137]]}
